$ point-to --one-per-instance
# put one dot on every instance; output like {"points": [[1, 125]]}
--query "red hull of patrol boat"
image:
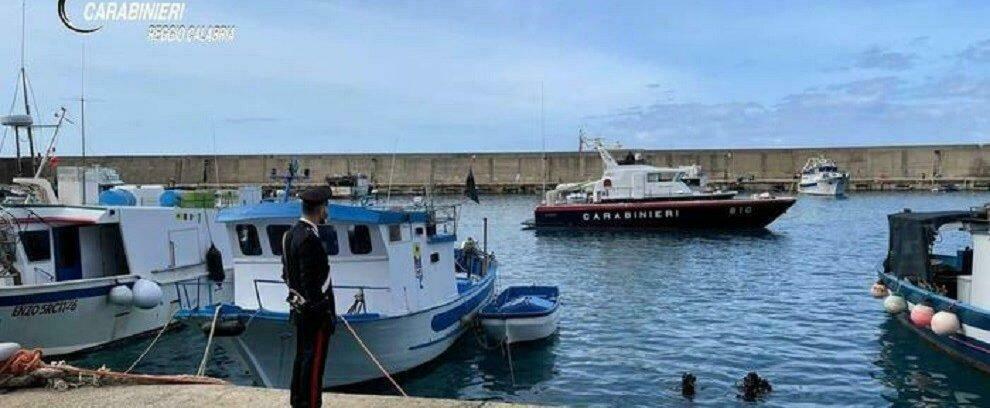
{"points": [[731, 213]]}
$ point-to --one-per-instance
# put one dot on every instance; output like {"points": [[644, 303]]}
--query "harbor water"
{"points": [[641, 308]]}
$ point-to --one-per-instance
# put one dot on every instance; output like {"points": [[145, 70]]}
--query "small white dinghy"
{"points": [[521, 313]]}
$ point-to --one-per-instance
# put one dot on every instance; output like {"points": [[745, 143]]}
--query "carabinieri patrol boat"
{"points": [[406, 291], [639, 196]]}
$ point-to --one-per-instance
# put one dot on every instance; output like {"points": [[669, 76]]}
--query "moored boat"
{"points": [[944, 298], [521, 313], [821, 176], [640, 196], [399, 283], [75, 277]]}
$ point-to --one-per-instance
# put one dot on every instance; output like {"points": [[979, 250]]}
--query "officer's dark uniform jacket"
{"points": [[306, 270]]}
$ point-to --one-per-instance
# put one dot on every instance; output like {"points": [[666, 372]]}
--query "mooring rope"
{"points": [[155, 340], [209, 342], [373, 358], [508, 353]]}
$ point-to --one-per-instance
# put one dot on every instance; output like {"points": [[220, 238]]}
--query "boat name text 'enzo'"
{"points": [[44, 308]]}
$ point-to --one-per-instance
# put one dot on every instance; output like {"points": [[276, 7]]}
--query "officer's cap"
{"points": [[315, 195]]}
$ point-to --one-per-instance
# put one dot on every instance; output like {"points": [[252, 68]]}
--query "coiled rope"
{"points": [[22, 362], [373, 358]]}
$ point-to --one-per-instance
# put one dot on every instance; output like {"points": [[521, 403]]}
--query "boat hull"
{"points": [[521, 329], [967, 349], [400, 343], [733, 213], [824, 187], [77, 316], [970, 344]]}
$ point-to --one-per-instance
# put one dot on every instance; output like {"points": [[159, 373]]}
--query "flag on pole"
{"points": [[470, 188]]}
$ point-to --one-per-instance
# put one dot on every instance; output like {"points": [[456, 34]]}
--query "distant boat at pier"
{"points": [[820, 176]]}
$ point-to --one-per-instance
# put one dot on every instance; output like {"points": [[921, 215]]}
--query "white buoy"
{"points": [[147, 294], [121, 295], [945, 323], [894, 304], [8, 349]]}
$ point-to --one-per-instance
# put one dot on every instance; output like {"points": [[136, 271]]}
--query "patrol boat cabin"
{"points": [[398, 282]]}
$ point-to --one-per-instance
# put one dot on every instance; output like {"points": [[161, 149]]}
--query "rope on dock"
{"points": [[26, 369], [373, 358]]}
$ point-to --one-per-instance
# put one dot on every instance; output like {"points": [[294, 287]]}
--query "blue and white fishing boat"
{"points": [[398, 282], [944, 298], [522, 313]]}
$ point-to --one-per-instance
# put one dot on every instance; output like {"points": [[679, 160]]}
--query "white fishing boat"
{"points": [[74, 277], [821, 176], [522, 313], [398, 282]]}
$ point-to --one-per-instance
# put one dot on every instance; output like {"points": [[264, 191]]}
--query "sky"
{"points": [[414, 76]]}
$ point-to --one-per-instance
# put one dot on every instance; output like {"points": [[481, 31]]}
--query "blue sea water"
{"points": [[640, 308]]}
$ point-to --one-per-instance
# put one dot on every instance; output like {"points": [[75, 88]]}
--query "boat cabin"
{"points": [[382, 261], [632, 180], [43, 241]]}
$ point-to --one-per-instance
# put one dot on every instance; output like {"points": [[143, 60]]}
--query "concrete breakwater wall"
{"points": [[871, 168]]}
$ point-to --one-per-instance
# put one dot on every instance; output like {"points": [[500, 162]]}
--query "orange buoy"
{"points": [[921, 315]]}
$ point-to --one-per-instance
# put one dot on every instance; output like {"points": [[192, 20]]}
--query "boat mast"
{"points": [[24, 84], [543, 137], [607, 160], [82, 117]]}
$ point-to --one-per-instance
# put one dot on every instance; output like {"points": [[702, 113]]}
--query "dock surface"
{"points": [[214, 396]]}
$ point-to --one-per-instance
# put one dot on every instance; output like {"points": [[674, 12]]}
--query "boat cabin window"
{"points": [[394, 232], [275, 233], [37, 245], [329, 237], [247, 239], [359, 238], [661, 177]]}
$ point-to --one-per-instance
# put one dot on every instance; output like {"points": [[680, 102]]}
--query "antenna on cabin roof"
{"points": [[291, 174]]}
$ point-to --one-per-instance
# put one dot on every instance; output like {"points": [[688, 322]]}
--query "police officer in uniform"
{"points": [[306, 270]]}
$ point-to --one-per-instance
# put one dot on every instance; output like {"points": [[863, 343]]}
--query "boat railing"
{"points": [[186, 300], [358, 296]]}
